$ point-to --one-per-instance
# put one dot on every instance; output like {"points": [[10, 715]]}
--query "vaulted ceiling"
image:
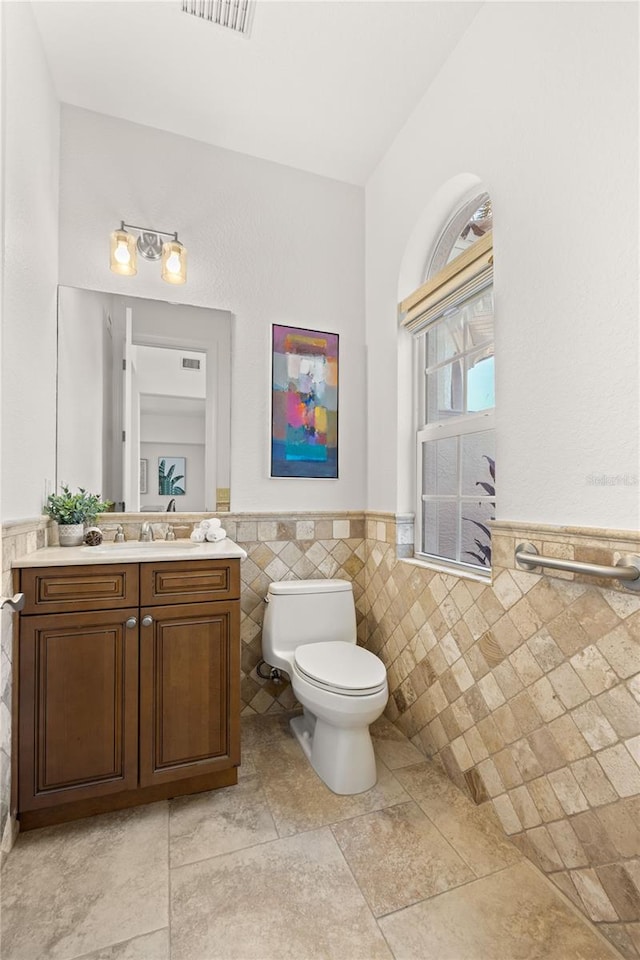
{"points": [[324, 86]]}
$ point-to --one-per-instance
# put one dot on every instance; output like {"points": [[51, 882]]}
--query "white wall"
{"points": [[160, 372], [266, 242], [172, 428], [29, 184], [82, 372], [539, 101], [31, 142]]}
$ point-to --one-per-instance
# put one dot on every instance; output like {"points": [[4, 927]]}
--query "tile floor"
{"points": [[279, 867]]}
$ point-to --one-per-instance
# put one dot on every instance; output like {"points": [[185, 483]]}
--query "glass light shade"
{"points": [[174, 262], [123, 253]]}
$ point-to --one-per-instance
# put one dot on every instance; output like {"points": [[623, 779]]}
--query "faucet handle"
{"points": [[119, 537], [170, 533]]}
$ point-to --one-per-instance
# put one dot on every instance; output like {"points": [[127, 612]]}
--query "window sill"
{"points": [[484, 578]]}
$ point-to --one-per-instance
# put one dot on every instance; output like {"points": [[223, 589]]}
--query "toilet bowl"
{"points": [[309, 631]]}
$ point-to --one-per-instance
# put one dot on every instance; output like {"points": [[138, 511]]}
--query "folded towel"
{"points": [[198, 536], [211, 524], [213, 536]]}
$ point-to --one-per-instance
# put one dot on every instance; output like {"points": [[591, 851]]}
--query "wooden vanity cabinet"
{"points": [[132, 703]]}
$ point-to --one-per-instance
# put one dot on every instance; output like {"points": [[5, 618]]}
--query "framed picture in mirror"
{"points": [[144, 470], [172, 476]]}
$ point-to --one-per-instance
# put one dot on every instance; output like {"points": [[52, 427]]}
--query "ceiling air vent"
{"points": [[234, 14], [190, 363]]}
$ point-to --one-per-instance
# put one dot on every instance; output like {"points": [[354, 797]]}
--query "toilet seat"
{"points": [[342, 668]]}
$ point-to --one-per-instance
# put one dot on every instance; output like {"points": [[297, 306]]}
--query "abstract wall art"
{"points": [[304, 405]]}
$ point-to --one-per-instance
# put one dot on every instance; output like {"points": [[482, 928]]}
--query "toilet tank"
{"points": [[306, 611]]}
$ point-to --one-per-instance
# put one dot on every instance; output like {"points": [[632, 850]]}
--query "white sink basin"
{"points": [[133, 551], [138, 545]]}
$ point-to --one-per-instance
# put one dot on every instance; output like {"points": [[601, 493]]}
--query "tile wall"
{"points": [[18, 538], [526, 691], [279, 547]]}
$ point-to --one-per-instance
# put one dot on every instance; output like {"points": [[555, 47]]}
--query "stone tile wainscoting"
{"points": [[527, 693], [279, 547], [18, 538], [284, 549]]}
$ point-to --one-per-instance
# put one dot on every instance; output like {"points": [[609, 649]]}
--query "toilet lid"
{"points": [[344, 666]]}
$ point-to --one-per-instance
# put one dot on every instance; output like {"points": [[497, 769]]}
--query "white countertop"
{"points": [[132, 551]]}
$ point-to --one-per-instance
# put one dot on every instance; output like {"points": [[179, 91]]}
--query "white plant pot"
{"points": [[70, 534]]}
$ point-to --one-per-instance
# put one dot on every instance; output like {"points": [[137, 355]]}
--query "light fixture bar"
{"points": [[160, 233]]}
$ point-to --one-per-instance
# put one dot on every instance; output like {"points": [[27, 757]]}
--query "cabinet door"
{"points": [[78, 708], [189, 690]]}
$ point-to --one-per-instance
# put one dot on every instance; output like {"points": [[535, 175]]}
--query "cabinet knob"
{"points": [[147, 621], [131, 623]]}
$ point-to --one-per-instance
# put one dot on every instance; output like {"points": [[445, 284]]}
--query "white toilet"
{"points": [[309, 631]]}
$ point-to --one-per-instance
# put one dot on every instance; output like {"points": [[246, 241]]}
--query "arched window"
{"points": [[451, 319]]}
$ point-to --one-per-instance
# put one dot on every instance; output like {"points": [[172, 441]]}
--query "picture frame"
{"points": [[172, 476], [144, 472], [304, 403]]}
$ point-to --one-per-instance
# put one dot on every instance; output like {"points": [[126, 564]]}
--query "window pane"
{"points": [[444, 392], [475, 537], [481, 393], [440, 528], [445, 339], [440, 467], [477, 457], [475, 227], [478, 320]]}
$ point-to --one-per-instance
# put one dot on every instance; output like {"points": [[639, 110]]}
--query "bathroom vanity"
{"points": [[129, 676]]}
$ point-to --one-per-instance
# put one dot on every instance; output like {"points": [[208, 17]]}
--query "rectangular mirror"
{"points": [[144, 401]]}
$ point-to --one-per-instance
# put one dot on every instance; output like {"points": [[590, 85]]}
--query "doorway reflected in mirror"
{"points": [[144, 380]]}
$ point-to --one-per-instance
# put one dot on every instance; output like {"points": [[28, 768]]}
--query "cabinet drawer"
{"points": [[74, 589], [185, 581]]}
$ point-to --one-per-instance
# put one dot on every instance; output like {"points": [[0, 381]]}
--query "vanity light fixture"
{"points": [[148, 243]]}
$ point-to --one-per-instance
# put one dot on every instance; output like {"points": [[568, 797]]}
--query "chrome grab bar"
{"points": [[627, 568], [16, 602]]}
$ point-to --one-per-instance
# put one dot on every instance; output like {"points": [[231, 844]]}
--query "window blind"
{"points": [[469, 273]]}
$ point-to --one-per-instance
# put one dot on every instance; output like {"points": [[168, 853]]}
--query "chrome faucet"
{"points": [[146, 532], [171, 506]]}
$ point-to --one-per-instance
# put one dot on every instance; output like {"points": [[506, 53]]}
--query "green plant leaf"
{"points": [[67, 507]]}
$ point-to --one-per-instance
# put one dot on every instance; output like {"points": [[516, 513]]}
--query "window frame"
{"points": [[461, 279]]}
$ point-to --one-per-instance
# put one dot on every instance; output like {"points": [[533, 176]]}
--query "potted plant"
{"points": [[72, 510]]}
